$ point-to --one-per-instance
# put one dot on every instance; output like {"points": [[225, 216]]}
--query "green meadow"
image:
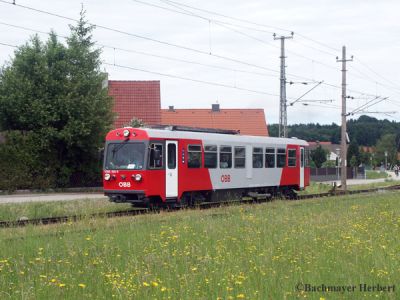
{"points": [[262, 251]]}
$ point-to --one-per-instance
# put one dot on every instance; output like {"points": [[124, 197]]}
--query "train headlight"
{"points": [[137, 177], [107, 176], [126, 133]]}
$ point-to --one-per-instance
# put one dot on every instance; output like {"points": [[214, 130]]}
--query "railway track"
{"points": [[134, 212]]}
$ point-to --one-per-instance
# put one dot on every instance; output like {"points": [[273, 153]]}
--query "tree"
{"points": [[52, 96], [387, 143], [353, 151], [318, 156], [136, 123]]}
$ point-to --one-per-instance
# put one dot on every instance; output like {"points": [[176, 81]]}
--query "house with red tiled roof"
{"points": [[135, 99], [141, 100], [247, 121]]}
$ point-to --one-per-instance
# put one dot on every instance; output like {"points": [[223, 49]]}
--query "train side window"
{"points": [[156, 156], [307, 157], [171, 157], [240, 157], [302, 157], [281, 158], [225, 157], [210, 156], [257, 158], [291, 157], [270, 157], [194, 156]]}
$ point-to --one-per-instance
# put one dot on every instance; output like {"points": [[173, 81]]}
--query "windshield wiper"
{"points": [[117, 148]]}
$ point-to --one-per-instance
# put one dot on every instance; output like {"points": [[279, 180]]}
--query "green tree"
{"points": [[387, 143], [53, 105], [318, 156], [353, 151], [136, 123]]}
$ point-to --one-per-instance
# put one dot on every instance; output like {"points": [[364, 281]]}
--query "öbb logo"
{"points": [[124, 184], [225, 178]]}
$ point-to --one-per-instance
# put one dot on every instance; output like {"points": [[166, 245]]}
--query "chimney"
{"points": [[171, 108], [215, 107]]}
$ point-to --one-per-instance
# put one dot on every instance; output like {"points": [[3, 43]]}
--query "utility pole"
{"points": [[283, 104], [343, 144]]}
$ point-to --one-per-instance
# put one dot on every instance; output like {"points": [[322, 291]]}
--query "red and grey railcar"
{"points": [[182, 166]]}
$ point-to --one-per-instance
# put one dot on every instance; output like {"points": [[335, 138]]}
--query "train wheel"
{"points": [[290, 194]]}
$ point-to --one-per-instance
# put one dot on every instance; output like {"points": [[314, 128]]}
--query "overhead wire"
{"points": [[148, 54], [227, 26], [192, 79], [158, 41], [197, 50], [146, 38]]}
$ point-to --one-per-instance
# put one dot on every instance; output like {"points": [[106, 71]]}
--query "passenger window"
{"points": [[225, 157], [240, 157], [210, 156], [171, 156], [281, 158], [302, 157], [156, 156], [270, 157], [257, 158], [194, 156], [307, 157], [291, 157]]}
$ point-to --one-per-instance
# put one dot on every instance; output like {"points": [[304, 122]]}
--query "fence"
{"points": [[331, 174]]}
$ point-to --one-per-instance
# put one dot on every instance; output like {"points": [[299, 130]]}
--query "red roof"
{"points": [[320, 143], [135, 99], [248, 121]]}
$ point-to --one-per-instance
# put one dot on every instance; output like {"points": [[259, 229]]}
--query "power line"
{"points": [[180, 77], [155, 40], [9, 45], [226, 26], [149, 54], [192, 79], [229, 17], [253, 23], [371, 70], [184, 47], [146, 38], [190, 14]]}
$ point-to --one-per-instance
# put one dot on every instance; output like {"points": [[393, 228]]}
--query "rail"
{"points": [[204, 205]]}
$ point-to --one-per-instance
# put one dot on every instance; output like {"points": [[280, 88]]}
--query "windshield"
{"points": [[125, 156]]}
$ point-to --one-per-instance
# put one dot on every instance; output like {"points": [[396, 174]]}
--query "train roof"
{"points": [[218, 137]]}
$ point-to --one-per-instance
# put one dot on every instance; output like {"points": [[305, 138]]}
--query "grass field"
{"points": [[86, 207], [376, 174], [34, 210], [239, 252], [321, 187]]}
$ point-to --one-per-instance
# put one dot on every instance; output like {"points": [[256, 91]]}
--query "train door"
{"points": [[302, 163], [171, 175]]}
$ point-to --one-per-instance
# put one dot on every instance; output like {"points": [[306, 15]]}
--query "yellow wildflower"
{"points": [[82, 285], [154, 283]]}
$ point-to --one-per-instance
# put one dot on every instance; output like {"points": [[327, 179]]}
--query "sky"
{"points": [[206, 52]]}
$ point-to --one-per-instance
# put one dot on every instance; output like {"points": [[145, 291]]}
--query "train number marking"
{"points": [[225, 178], [124, 184]]}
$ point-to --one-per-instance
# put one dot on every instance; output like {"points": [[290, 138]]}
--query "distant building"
{"points": [[247, 121], [332, 149], [141, 100]]}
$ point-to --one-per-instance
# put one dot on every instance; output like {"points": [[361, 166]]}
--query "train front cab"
{"points": [[133, 166]]}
